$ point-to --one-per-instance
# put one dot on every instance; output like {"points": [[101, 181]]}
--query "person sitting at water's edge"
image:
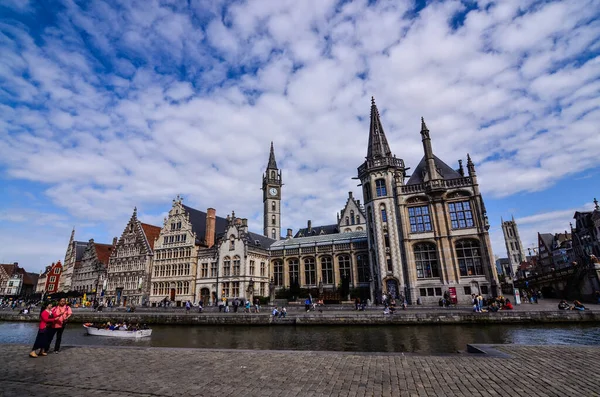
{"points": [[275, 312], [507, 305], [563, 305], [283, 313], [577, 306]]}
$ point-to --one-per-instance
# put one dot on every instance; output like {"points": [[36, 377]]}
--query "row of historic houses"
{"points": [[413, 237]]}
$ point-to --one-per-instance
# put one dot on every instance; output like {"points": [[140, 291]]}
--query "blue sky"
{"points": [[107, 105]]}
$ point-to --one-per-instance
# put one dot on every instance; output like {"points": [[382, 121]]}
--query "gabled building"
{"points": [[52, 278], [185, 231], [237, 266], [555, 251], [11, 279], [130, 264], [41, 284], [91, 270], [73, 257], [352, 217]]}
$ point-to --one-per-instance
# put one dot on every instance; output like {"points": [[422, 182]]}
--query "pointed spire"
{"points": [[378, 145], [272, 163], [596, 206], [135, 212], [470, 165], [424, 130]]}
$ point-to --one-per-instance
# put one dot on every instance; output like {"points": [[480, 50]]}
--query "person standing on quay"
{"points": [[41, 340], [61, 314]]}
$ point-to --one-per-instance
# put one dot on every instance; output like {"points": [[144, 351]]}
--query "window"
{"points": [[362, 268], [52, 279], [367, 192], [262, 269], [294, 272], [426, 260], [383, 213], [278, 273], [390, 265], [178, 225], [484, 290], [380, 188], [438, 292], [460, 214], [273, 234], [186, 287], [213, 269], [183, 237], [430, 292], [235, 288], [57, 270], [423, 291], [262, 289], [226, 266], [51, 287], [352, 217], [204, 270], [419, 218], [467, 290], [252, 268], [273, 206], [345, 269], [469, 259], [309, 271], [231, 243], [347, 221], [236, 266], [172, 226], [273, 220], [327, 270], [179, 288], [357, 219], [272, 174], [165, 240], [386, 240], [177, 238], [225, 290]]}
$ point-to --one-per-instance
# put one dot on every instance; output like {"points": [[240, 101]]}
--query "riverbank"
{"points": [[437, 317], [517, 370]]}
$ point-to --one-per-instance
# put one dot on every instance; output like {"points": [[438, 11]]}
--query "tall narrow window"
{"points": [[347, 221], [380, 188], [262, 269], [273, 220], [345, 267], [367, 192], [461, 215], [273, 234], [294, 272], [235, 288], [327, 270], [213, 269], [362, 268], [352, 217], [309, 271], [383, 213], [226, 266], [357, 219], [426, 260], [273, 206], [204, 272], [419, 219], [278, 273], [231, 243], [469, 258], [252, 268], [390, 265], [236, 265]]}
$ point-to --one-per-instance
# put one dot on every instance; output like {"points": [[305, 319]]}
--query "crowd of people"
{"points": [[563, 305]]}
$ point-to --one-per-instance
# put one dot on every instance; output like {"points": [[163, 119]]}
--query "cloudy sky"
{"points": [[107, 105]]}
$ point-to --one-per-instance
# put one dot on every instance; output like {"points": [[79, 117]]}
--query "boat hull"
{"points": [[118, 334]]}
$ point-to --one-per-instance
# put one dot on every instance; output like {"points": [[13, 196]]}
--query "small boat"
{"points": [[142, 333]]}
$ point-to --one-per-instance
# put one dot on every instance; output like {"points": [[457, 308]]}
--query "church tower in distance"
{"points": [[271, 188], [514, 247], [378, 175]]}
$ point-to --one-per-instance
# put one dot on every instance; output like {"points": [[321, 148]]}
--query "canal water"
{"points": [[426, 339]]}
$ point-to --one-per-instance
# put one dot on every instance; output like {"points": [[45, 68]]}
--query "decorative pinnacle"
{"points": [[596, 207], [372, 101]]}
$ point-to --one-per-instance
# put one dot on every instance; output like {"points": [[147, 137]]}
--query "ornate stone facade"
{"points": [[174, 269], [89, 272], [73, 257], [130, 263]]}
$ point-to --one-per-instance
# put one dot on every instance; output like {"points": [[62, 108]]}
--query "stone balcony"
{"points": [[383, 162], [437, 184]]}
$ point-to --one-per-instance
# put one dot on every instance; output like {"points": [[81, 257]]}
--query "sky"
{"points": [[109, 105]]}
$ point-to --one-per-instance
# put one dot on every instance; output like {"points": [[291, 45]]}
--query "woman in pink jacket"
{"points": [[44, 329]]}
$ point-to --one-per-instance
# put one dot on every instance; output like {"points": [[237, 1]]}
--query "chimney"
{"points": [[115, 241], [350, 194], [289, 234], [309, 226], [209, 233]]}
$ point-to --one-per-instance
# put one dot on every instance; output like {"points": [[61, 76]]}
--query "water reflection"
{"points": [[418, 339]]}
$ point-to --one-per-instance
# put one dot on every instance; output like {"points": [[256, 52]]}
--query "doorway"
{"points": [[172, 295], [205, 296]]}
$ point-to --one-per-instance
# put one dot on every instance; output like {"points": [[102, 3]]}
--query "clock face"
{"points": [[272, 191]]}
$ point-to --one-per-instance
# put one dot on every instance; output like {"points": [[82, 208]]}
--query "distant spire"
{"points": [[596, 206], [135, 212], [424, 130], [378, 145], [272, 163], [470, 165]]}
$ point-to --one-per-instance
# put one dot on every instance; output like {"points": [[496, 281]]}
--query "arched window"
{"points": [[273, 234], [272, 174], [469, 258], [309, 271], [362, 268], [352, 217], [236, 265], [294, 272], [278, 273], [226, 266], [273, 220], [273, 206], [367, 191], [359, 229], [345, 269], [380, 188], [383, 213], [327, 270], [347, 221], [347, 230], [357, 219], [426, 260]]}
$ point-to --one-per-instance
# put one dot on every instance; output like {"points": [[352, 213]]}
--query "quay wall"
{"points": [[403, 318]]}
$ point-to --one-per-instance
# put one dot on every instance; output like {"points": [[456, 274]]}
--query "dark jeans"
{"points": [[49, 336], [59, 332], [40, 340]]}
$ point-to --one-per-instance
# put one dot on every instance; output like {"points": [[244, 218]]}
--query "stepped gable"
{"points": [[443, 169], [152, 232], [198, 221]]}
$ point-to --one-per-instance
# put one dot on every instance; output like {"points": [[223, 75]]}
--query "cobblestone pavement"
{"points": [[102, 371]]}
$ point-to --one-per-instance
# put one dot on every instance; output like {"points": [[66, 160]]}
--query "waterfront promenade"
{"points": [[105, 371]]}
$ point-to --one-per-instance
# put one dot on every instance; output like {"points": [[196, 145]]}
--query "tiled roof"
{"points": [[263, 241], [9, 268], [103, 252], [324, 239], [198, 221], [445, 170], [547, 238], [151, 233], [317, 230], [30, 278]]}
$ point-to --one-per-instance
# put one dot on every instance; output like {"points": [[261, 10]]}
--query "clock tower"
{"points": [[271, 188]]}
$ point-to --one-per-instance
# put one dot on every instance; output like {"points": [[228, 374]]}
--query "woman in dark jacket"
{"points": [[44, 330]]}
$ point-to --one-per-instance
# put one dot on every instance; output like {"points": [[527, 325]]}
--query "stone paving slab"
{"points": [[110, 371]]}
